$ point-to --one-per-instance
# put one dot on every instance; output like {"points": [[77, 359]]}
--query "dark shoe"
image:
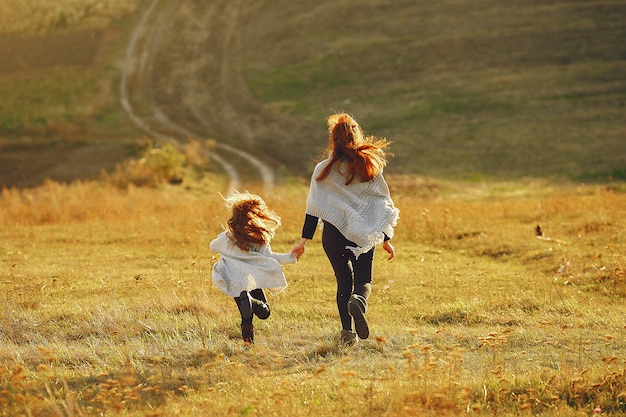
{"points": [[245, 305], [247, 332], [356, 308], [347, 338], [260, 309]]}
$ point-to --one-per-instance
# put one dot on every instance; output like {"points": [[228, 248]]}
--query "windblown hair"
{"points": [[252, 222], [366, 156]]}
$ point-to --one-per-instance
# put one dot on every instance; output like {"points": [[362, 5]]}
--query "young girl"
{"points": [[247, 264], [349, 194]]}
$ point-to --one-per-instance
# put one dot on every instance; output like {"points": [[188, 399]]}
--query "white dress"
{"points": [[239, 270]]}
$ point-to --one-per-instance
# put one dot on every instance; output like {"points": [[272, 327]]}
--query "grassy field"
{"points": [[109, 308], [60, 116], [503, 117], [465, 91]]}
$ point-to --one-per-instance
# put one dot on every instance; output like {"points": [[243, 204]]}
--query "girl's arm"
{"points": [[281, 258]]}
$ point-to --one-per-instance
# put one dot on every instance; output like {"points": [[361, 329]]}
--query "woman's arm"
{"points": [[388, 247], [308, 230], [298, 250], [310, 225]]}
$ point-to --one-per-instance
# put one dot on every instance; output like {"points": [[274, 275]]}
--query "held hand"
{"points": [[388, 247], [298, 250]]}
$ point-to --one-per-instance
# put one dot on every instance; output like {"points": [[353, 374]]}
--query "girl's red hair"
{"points": [[252, 222], [365, 156]]}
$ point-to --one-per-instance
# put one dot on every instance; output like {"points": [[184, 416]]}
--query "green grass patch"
{"points": [[461, 90], [35, 101]]}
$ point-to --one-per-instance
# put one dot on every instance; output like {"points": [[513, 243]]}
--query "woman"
{"points": [[350, 196]]}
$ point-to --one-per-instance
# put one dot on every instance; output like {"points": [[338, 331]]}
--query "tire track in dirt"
{"points": [[141, 104]]}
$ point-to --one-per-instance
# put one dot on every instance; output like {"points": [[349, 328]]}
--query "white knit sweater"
{"points": [[362, 211], [239, 270]]}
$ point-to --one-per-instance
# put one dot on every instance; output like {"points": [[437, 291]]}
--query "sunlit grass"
{"points": [[109, 306]]}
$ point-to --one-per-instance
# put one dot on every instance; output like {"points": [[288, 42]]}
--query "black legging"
{"points": [[354, 276], [257, 310]]}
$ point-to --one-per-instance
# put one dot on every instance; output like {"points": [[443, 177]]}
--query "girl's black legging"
{"points": [[262, 313], [354, 276]]}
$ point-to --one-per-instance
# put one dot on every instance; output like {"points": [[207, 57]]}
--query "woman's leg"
{"points": [[334, 244], [357, 305], [363, 274]]}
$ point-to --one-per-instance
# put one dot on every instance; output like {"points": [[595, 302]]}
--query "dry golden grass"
{"points": [[108, 307]]}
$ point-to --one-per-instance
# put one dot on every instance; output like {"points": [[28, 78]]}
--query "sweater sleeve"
{"points": [[281, 258], [310, 225]]}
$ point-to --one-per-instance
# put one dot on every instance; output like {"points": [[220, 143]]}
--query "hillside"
{"points": [[465, 91]]}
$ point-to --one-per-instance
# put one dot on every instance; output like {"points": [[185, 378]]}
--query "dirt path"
{"points": [[176, 48]]}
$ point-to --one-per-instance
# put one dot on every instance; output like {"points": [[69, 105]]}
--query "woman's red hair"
{"points": [[365, 156]]}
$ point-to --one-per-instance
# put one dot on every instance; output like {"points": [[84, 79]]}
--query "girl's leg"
{"points": [[334, 244], [260, 307], [244, 319], [247, 329]]}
